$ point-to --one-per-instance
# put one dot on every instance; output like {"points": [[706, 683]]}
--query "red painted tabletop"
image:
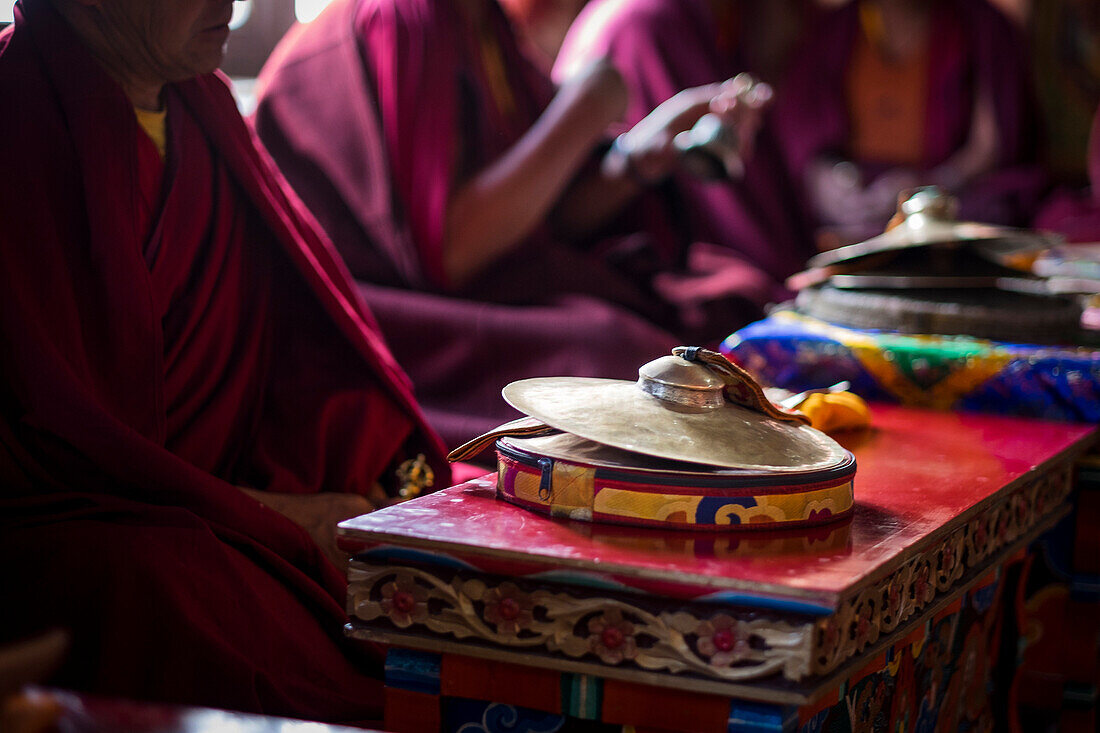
{"points": [[919, 474]]}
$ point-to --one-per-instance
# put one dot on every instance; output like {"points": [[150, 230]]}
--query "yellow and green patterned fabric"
{"points": [[796, 352]]}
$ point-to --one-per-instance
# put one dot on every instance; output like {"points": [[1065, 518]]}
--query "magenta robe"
{"points": [[375, 111], [163, 342], [1076, 214], [973, 45], [661, 47]]}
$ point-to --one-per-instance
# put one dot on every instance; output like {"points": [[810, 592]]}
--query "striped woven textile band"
{"points": [[722, 500]]}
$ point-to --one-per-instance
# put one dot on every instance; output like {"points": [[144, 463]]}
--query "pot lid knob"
{"points": [[677, 380]]}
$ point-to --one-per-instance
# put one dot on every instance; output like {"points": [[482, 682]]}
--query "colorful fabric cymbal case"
{"points": [[693, 444]]}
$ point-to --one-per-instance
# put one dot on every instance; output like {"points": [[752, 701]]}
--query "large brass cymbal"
{"points": [[620, 414], [927, 219]]}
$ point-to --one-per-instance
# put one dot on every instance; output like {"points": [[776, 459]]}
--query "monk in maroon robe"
{"points": [[191, 391], [451, 175], [661, 47], [889, 94], [1076, 214]]}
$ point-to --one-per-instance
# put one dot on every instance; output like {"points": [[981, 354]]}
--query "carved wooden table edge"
{"points": [[695, 646], [357, 541], [842, 671]]}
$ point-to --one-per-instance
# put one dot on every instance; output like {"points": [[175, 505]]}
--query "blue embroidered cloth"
{"points": [[796, 352]]}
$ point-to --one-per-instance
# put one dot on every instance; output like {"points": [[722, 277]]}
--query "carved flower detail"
{"points": [[508, 608], [893, 598], [404, 601], [981, 534], [1002, 528], [921, 586], [1022, 510], [864, 624], [611, 637], [948, 556], [722, 641], [830, 634]]}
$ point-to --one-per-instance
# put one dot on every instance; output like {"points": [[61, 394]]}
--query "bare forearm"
{"points": [[505, 201]]}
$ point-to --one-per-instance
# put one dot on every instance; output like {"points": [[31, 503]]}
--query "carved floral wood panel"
{"points": [[712, 641]]}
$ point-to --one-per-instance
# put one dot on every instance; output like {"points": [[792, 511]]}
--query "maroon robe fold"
{"points": [[375, 111], [161, 343], [973, 45]]}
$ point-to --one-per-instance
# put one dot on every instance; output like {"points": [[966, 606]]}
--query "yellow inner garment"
{"points": [[154, 125], [886, 104]]}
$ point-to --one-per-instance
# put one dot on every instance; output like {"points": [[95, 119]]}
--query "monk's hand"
{"points": [[836, 191], [601, 90], [317, 514], [880, 198], [648, 145], [842, 196], [740, 104]]}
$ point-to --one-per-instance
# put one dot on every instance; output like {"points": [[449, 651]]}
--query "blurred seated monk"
{"points": [[889, 94], [191, 392], [662, 46], [1076, 214], [1065, 53], [470, 200]]}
